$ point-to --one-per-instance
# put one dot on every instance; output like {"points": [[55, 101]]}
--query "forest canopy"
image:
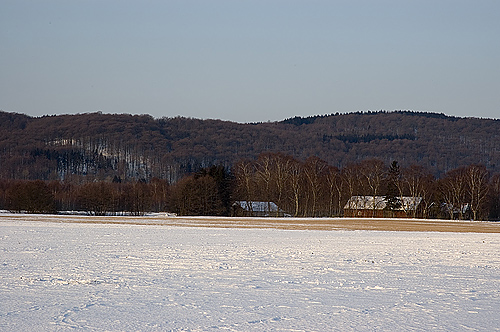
{"points": [[96, 146]]}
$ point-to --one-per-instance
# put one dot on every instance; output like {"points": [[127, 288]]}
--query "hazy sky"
{"points": [[248, 61]]}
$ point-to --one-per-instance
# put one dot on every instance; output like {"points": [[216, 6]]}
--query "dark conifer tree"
{"points": [[392, 194], [224, 183]]}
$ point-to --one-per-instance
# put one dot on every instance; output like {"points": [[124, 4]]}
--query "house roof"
{"points": [[258, 206], [379, 203]]}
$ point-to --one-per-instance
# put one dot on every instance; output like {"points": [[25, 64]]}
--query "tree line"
{"points": [[94, 198], [313, 188], [301, 188]]}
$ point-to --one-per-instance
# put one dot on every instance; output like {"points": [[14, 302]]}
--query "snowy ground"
{"points": [[110, 277]]}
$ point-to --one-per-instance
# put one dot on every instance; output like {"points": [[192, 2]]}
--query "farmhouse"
{"points": [[376, 206], [462, 212], [256, 209]]}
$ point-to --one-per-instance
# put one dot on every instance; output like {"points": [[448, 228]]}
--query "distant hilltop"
{"points": [[104, 146]]}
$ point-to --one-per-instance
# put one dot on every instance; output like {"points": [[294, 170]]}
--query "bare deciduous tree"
{"points": [[373, 172], [315, 173], [477, 178], [335, 192], [296, 185], [453, 188], [416, 181]]}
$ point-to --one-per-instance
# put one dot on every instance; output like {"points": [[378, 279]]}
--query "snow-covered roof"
{"points": [[380, 203], [450, 208], [258, 206], [410, 203]]}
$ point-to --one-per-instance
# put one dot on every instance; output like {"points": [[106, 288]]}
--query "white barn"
{"points": [[376, 206], [256, 209]]}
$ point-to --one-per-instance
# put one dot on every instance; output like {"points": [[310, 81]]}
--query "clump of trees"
{"points": [[30, 196], [301, 188], [205, 193], [95, 198]]}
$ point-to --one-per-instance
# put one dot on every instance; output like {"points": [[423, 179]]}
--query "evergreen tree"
{"points": [[392, 194]]}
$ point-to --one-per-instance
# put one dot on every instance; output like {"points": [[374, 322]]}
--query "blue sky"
{"points": [[249, 61]]}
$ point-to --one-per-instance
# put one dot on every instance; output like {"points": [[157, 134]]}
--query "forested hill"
{"points": [[107, 146]]}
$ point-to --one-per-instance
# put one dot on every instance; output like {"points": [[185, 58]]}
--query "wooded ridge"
{"points": [[96, 146]]}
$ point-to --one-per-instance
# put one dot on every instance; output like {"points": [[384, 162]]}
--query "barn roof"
{"points": [[380, 203], [258, 206]]}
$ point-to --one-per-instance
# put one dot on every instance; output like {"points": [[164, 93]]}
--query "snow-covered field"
{"points": [[123, 277]]}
